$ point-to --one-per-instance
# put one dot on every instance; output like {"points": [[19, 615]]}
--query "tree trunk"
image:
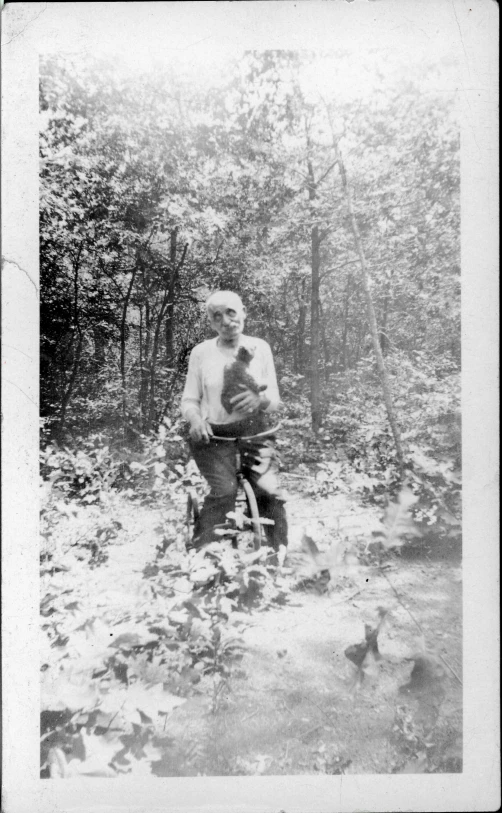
{"points": [[69, 390], [285, 345], [169, 332], [315, 389], [384, 379], [382, 335], [99, 346], [315, 242], [153, 370], [327, 360], [123, 325], [140, 353], [143, 392], [346, 322], [167, 306], [78, 352], [300, 333]]}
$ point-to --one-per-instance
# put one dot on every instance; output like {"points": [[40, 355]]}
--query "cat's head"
{"points": [[244, 355]]}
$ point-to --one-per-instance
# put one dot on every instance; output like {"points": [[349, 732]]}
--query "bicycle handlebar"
{"points": [[249, 437]]}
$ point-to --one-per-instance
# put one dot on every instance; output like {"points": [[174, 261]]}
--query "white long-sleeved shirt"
{"points": [[204, 381]]}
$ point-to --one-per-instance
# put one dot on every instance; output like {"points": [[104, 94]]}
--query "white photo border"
{"points": [[468, 29]]}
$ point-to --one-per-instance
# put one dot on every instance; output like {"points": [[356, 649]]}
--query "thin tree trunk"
{"points": [[99, 346], [365, 276], [382, 335], [78, 352], [327, 364], [153, 369], [146, 332], [345, 321], [315, 389], [167, 305], [355, 349], [169, 333], [171, 297], [123, 325], [69, 390], [300, 333], [285, 346], [140, 352]]}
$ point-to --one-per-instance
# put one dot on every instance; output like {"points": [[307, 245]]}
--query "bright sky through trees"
{"points": [[199, 38]]}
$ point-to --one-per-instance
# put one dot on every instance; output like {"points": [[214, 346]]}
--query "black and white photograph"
{"points": [[253, 501]]}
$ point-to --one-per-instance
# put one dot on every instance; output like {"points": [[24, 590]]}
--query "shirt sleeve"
{"points": [[272, 391], [192, 393]]}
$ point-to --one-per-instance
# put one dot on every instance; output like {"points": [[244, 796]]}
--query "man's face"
{"points": [[226, 317]]}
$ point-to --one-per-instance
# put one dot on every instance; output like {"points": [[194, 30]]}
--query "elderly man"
{"points": [[202, 407]]}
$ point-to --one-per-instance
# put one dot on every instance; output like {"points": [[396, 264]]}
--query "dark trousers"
{"points": [[259, 463]]}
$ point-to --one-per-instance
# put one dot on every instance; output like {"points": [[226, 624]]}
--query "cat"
{"points": [[235, 375]]}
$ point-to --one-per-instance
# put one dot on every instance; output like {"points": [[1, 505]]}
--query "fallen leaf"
{"points": [[358, 653], [59, 692], [132, 700], [397, 523]]}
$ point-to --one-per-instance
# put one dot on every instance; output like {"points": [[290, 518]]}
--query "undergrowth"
{"points": [[111, 680]]}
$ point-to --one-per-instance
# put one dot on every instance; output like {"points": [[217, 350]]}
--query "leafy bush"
{"points": [[90, 471], [427, 401], [425, 750], [108, 688], [86, 474]]}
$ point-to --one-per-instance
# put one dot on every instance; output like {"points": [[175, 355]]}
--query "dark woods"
{"points": [[334, 213], [155, 190]]}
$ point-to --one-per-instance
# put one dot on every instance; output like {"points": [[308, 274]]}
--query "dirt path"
{"points": [[293, 704]]}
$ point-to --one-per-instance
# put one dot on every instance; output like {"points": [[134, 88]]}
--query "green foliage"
{"points": [[359, 452], [95, 469], [101, 715], [244, 579], [156, 189], [397, 524], [86, 474], [109, 685], [425, 750]]}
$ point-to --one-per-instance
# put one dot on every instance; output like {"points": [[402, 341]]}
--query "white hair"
{"points": [[219, 294]]}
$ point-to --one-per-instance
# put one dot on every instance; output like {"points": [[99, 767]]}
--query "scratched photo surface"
{"points": [[256, 472], [324, 189]]}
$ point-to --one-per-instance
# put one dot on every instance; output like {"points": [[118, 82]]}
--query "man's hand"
{"points": [[247, 401], [200, 430]]}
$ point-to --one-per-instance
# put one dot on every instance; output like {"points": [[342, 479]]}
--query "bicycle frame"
{"points": [[244, 482]]}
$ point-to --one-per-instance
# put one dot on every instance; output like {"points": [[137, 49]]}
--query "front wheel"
{"points": [[254, 515]]}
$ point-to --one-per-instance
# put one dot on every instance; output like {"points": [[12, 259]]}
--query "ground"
{"points": [[294, 702]]}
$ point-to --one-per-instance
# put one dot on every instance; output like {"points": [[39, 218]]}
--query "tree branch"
{"points": [[321, 179]]}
